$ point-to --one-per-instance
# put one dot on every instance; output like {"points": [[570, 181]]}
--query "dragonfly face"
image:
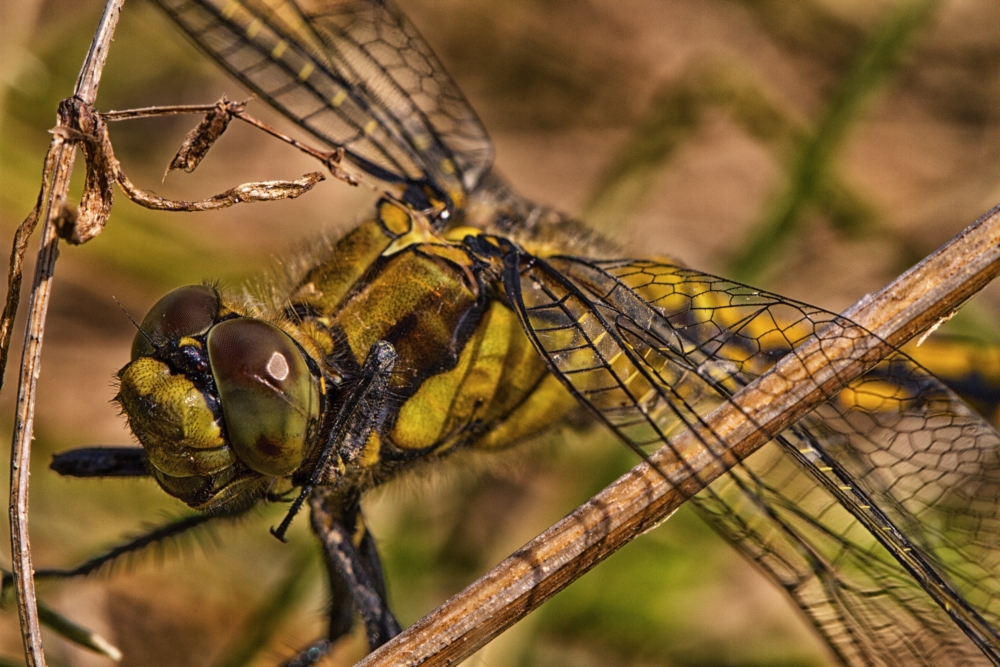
{"points": [[222, 404], [412, 338]]}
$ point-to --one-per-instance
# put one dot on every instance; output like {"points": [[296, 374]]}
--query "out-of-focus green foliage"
{"points": [[874, 63]]}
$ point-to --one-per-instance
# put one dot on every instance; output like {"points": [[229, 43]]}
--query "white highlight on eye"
{"points": [[277, 366]]}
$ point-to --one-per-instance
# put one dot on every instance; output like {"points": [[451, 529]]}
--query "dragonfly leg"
{"points": [[152, 537], [356, 579], [341, 613], [361, 414], [310, 655], [101, 462]]}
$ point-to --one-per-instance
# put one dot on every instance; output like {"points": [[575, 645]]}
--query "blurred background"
{"points": [[814, 148]]}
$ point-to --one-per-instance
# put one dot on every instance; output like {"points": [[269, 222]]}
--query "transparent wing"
{"points": [[356, 74], [878, 513]]}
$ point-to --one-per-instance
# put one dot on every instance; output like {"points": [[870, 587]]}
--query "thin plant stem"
{"points": [[56, 180]]}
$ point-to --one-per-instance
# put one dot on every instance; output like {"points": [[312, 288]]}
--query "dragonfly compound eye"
{"points": [[185, 312], [270, 400]]}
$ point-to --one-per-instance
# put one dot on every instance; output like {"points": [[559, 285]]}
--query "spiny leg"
{"points": [[157, 535], [354, 568], [356, 582], [361, 414]]}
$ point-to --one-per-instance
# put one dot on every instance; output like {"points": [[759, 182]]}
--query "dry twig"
{"points": [[51, 200]]}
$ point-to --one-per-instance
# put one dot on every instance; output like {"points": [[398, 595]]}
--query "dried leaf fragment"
{"points": [[199, 140], [78, 122], [241, 194]]}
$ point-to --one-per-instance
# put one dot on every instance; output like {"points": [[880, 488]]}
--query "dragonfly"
{"points": [[455, 318]]}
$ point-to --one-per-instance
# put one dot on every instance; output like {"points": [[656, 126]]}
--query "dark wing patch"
{"points": [[882, 501], [356, 74]]}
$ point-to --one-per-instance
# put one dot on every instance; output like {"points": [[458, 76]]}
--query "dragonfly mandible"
{"points": [[645, 345]]}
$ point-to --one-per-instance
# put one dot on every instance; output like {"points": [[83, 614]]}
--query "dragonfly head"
{"points": [[223, 404]]}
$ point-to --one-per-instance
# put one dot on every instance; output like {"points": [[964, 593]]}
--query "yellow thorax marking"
{"points": [[409, 227], [458, 234]]}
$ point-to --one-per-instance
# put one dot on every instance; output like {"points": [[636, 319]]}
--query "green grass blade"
{"points": [[77, 634], [265, 622], [877, 61]]}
